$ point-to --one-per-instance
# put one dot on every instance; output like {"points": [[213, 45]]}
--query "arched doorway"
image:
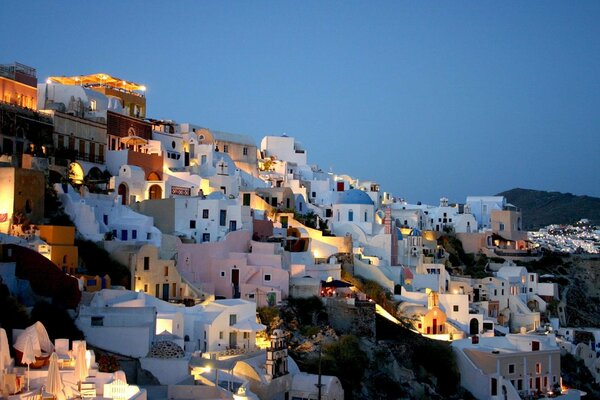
{"points": [[153, 176], [76, 173], [474, 326], [124, 193], [155, 192]]}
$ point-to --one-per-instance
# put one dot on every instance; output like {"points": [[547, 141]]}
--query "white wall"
{"points": [[167, 371]]}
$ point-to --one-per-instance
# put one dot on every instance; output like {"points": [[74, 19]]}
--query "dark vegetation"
{"points": [[13, 314], [471, 264], [342, 358], [432, 360], [57, 321], [576, 375], [541, 208], [55, 318], [97, 261]]}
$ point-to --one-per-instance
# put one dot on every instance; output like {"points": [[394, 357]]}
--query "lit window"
{"points": [[93, 105]]}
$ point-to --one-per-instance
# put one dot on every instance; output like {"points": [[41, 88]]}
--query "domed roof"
{"points": [[353, 196], [415, 232], [216, 196], [166, 349]]}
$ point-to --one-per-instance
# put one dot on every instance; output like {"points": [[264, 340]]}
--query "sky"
{"points": [[429, 99]]}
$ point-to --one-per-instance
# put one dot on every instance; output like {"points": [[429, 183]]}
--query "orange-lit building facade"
{"points": [[61, 241], [21, 191], [131, 94], [18, 85]]}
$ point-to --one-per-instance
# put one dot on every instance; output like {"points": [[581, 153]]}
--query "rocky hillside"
{"points": [[541, 208]]}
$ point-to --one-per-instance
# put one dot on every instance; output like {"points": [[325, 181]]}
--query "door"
{"points": [[165, 292], [235, 283], [232, 225], [232, 340], [284, 222], [435, 326], [122, 191], [474, 326]]}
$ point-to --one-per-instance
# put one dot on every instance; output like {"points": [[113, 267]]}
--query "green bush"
{"points": [[97, 261], [56, 320], [437, 359], [310, 311]]}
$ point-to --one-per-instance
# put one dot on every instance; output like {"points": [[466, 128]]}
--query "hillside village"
{"points": [[198, 255]]}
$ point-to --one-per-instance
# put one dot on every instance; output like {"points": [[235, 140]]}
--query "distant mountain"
{"points": [[542, 208]]}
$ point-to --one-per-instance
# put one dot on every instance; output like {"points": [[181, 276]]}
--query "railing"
{"points": [[517, 253]]}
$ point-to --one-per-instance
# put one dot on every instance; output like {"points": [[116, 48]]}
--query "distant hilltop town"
{"points": [[214, 261]]}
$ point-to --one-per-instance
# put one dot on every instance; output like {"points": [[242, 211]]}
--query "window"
{"points": [[124, 234], [313, 194], [267, 277], [494, 388], [134, 234], [205, 213], [221, 335], [246, 198], [222, 274], [146, 288], [232, 319], [511, 368], [225, 148], [97, 321], [501, 226], [146, 263], [206, 237], [455, 308], [251, 296], [193, 224], [365, 216], [350, 215], [246, 335], [245, 151], [93, 105], [157, 290], [166, 271], [222, 217], [538, 368], [224, 189]]}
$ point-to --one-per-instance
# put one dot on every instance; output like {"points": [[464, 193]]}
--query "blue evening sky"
{"points": [[429, 99]]}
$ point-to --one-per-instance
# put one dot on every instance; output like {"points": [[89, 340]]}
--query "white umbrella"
{"points": [[81, 371], [54, 383], [4, 351], [28, 355]]}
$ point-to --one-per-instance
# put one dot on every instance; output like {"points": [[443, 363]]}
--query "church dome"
{"points": [[353, 196]]}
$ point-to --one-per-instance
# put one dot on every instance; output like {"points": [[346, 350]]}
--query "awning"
{"points": [[249, 326], [133, 140], [336, 284]]}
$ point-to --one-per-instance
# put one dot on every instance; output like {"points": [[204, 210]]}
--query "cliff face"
{"points": [[541, 208]]}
